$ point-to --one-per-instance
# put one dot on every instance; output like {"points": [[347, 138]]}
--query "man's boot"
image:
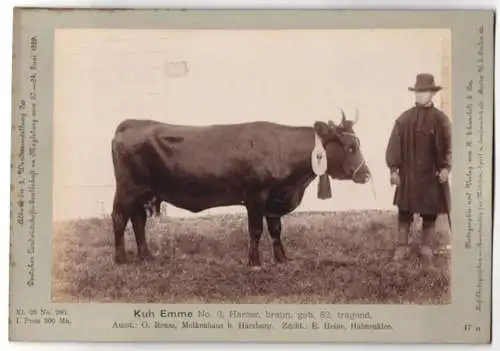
{"points": [[426, 252], [402, 249]]}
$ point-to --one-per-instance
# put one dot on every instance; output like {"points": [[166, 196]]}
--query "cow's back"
{"points": [[216, 138]]}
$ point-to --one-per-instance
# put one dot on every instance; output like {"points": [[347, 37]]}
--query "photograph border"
{"points": [[467, 319]]}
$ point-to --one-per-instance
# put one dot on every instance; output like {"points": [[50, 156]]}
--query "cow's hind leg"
{"points": [[255, 211], [139, 224], [274, 227], [120, 220]]}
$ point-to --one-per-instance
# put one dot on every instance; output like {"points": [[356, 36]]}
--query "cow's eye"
{"points": [[351, 149]]}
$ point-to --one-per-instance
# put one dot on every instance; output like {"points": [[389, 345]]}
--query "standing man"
{"points": [[419, 159]]}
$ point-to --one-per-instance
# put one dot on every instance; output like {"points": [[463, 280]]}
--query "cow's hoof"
{"points": [[120, 259], [253, 258], [254, 262], [279, 256], [147, 257], [281, 259]]}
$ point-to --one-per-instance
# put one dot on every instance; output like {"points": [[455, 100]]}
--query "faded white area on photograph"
{"points": [[203, 77]]}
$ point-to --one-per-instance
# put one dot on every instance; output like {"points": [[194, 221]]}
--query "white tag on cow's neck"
{"points": [[318, 157]]}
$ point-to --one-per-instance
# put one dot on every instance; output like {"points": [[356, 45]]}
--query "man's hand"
{"points": [[395, 179], [443, 175]]}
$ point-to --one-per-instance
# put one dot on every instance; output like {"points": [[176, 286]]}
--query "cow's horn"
{"points": [[356, 116], [343, 116]]}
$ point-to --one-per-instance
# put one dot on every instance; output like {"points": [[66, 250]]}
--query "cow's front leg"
{"points": [[255, 227], [274, 226], [139, 224]]}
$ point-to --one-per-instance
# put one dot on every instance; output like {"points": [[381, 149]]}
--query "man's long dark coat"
{"points": [[419, 146]]}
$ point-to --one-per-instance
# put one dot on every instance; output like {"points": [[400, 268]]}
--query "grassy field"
{"points": [[336, 258]]}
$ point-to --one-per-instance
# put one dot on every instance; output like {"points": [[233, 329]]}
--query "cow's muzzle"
{"points": [[361, 174]]}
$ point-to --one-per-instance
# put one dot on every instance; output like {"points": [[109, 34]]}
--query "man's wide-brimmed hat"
{"points": [[425, 82]]}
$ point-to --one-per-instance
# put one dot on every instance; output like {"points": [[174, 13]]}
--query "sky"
{"points": [[200, 77]]}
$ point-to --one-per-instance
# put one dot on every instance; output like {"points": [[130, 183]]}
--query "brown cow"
{"points": [[263, 166]]}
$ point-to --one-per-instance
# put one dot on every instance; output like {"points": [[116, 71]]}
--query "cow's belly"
{"points": [[198, 204], [196, 198]]}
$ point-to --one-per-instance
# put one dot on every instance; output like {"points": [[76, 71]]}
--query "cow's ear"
{"points": [[322, 129]]}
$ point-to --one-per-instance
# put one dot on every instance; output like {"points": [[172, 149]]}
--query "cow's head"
{"points": [[342, 146]]}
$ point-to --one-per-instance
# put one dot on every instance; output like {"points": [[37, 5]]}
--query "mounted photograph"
{"points": [[252, 166], [273, 176]]}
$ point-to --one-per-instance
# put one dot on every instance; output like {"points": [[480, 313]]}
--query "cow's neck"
{"points": [[300, 157]]}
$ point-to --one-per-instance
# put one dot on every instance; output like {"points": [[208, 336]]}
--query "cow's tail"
{"points": [[115, 156]]}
